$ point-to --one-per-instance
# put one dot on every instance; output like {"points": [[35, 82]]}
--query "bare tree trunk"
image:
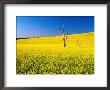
{"points": [[64, 41], [77, 42]]}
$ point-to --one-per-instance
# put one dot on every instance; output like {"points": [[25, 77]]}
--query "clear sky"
{"points": [[35, 26]]}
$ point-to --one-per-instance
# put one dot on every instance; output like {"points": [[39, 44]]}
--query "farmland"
{"points": [[47, 55]]}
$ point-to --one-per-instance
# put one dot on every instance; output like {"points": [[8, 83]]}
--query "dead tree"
{"points": [[64, 35], [77, 42]]}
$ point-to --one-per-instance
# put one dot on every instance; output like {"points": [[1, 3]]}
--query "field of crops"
{"points": [[47, 55]]}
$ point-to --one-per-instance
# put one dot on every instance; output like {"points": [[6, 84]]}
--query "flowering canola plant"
{"points": [[47, 55]]}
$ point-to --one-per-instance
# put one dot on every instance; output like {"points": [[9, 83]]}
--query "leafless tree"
{"points": [[64, 35]]}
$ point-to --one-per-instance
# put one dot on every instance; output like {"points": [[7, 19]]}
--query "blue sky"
{"points": [[35, 26]]}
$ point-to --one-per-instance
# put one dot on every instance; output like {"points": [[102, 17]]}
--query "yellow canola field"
{"points": [[47, 55]]}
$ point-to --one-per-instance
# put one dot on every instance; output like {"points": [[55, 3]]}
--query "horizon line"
{"points": [[53, 35]]}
